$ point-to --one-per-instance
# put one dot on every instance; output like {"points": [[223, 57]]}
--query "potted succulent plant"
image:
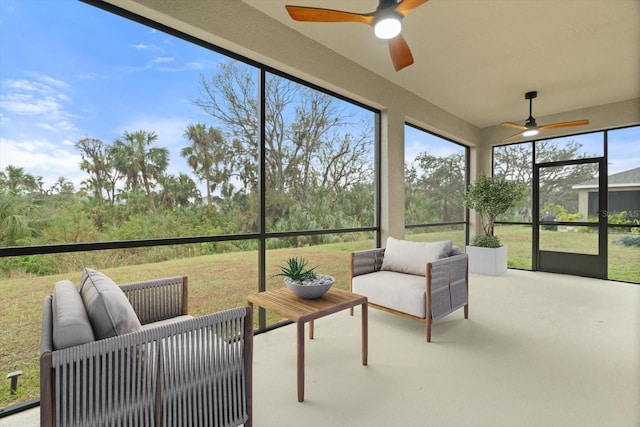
{"points": [[304, 281], [490, 197]]}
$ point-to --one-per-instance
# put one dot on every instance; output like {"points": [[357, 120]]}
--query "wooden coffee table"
{"points": [[301, 311]]}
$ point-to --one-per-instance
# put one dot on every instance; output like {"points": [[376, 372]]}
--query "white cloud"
{"points": [[194, 65], [53, 82], [45, 126], [143, 46], [162, 60], [44, 158], [88, 76], [26, 104], [44, 99]]}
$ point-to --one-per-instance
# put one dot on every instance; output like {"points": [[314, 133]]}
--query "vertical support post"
{"points": [[427, 319]]}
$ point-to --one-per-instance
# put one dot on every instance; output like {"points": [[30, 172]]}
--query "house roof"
{"points": [[628, 178]]}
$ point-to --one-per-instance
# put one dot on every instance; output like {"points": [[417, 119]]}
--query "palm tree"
{"points": [[14, 219], [140, 162], [63, 186], [17, 181], [206, 155], [178, 191]]}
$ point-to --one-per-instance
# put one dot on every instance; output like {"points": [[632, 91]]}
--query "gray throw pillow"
{"points": [[108, 308], [71, 326]]}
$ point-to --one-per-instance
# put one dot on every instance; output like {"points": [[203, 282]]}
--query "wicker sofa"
{"points": [[421, 281], [131, 355]]}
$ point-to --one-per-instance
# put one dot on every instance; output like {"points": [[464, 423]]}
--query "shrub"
{"points": [[633, 240], [486, 241]]}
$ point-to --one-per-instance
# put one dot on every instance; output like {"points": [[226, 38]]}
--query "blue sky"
{"points": [[69, 70]]}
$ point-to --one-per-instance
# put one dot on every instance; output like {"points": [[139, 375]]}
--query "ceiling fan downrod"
{"points": [[531, 125]]}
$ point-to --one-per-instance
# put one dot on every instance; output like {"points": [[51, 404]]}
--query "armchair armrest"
{"points": [[158, 299], [367, 261], [448, 285]]}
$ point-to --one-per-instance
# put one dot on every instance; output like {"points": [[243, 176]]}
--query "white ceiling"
{"points": [[477, 58]]}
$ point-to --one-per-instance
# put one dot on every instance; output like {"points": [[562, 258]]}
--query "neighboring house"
{"points": [[624, 195]]}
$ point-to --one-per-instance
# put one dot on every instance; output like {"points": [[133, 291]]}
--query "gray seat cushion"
{"points": [[71, 326], [399, 291], [108, 308]]}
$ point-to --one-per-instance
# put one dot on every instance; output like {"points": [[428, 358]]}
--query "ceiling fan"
{"points": [[386, 21], [531, 128]]}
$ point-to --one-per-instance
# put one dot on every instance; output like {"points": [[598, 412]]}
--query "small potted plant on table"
{"points": [[302, 281]]}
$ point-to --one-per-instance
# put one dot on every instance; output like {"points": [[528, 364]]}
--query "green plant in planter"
{"points": [[486, 241], [296, 269], [490, 197]]}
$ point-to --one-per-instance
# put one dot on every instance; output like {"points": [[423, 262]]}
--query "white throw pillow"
{"points": [[403, 256]]}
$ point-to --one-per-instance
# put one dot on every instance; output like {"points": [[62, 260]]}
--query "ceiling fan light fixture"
{"points": [[388, 26], [531, 126]]}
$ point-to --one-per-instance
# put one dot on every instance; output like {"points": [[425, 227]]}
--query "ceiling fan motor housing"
{"points": [[385, 4]]}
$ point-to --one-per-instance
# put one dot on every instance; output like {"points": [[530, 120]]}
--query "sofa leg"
{"points": [[466, 311]]}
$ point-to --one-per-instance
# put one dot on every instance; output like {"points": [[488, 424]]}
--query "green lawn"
{"points": [[624, 261], [217, 282]]}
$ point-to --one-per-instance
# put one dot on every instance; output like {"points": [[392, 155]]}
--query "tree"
{"points": [[490, 197], [17, 181], [433, 188], [97, 163], [231, 98], [178, 191], [208, 156], [139, 161], [308, 138], [14, 219], [63, 186], [514, 162]]}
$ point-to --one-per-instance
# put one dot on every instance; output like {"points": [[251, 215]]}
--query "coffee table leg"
{"points": [[300, 338], [311, 329], [365, 332]]}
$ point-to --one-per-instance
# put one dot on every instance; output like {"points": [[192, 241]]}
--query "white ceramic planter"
{"points": [[487, 261]]}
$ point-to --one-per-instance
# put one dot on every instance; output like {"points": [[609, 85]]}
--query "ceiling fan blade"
{"points": [[512, 137], [564, 124], [400, 53], [513, 125], [407, 6], [314, 14]]}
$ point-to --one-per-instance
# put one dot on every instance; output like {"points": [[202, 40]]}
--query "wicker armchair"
{"points": [[177, 370], [442, 289]]}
